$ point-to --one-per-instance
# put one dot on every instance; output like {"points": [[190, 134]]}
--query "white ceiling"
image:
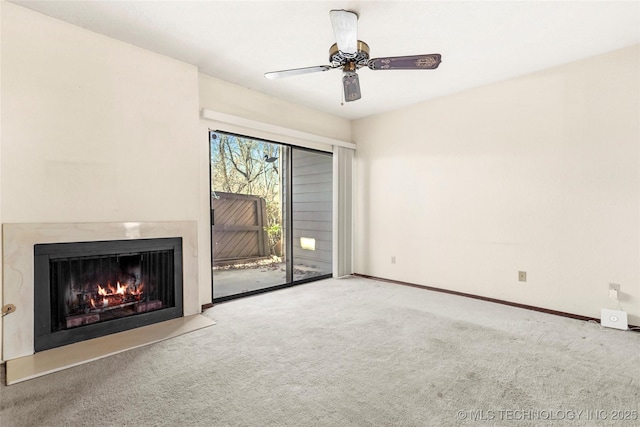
{"points": [[480, 41]]}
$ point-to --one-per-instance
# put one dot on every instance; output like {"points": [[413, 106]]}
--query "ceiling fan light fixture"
{"points": [[345, 29]]}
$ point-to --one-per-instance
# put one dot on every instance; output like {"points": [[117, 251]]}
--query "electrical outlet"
{"points": [[522, 276], [614, 290], [393, 259]]}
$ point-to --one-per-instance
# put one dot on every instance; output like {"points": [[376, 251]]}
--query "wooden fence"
{"points": [[239, 227]]}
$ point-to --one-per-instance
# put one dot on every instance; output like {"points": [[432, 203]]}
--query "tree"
{"points": [[238, 166]]}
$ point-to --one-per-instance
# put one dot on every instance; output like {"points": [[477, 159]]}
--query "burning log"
{"points": [[115, 297], [148, 306], [82, 319], [110, 302]]}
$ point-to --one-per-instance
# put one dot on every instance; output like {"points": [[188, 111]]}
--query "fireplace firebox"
{"points": [[85, 290]]}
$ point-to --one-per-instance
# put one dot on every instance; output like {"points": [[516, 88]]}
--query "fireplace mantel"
{"points": [[18, 260]]}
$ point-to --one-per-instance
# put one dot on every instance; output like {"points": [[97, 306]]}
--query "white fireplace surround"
{"points": [[18, 241]]}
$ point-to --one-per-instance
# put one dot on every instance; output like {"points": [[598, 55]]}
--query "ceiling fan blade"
{"points": [[351, 85], [345, 28], [296, 71], [415, 62]]}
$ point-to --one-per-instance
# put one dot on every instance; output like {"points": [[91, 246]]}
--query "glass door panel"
{"points": [[312, 213], [248, 251]]}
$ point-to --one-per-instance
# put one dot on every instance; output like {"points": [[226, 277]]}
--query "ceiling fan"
{"points": [[351, 54]]}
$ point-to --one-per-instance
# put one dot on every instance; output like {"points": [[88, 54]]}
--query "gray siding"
{"points": [[312, 194]]}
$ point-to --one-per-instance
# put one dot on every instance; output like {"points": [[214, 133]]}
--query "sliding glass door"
{"points": [[271, 215]]}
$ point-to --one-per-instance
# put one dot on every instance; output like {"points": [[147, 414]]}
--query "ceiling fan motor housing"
{"points": [[360, 58]]}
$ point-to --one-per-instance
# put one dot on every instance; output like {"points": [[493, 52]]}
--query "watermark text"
{"points": [[548, 415]]}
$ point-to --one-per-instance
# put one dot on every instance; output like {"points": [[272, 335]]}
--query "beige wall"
{"points": [[98, 130], [230, 99], [539, 173]]}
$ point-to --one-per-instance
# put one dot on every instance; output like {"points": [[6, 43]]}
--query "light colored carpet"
{"points": [[351, 352]]}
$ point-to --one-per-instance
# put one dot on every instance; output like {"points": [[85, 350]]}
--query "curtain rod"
{"points": [[279, 130]]}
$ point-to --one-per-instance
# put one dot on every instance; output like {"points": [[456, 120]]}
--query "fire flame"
{"points": [[138, 290], [115, 296], [121, 289]]}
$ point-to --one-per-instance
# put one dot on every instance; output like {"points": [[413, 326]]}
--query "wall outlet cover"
{"points": [[614, 319]]}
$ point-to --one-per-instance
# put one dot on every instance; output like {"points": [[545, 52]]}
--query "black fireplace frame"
{"points": [[45, 339]]}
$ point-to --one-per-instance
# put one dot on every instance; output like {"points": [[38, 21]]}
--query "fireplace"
{"points": [[84, 290]]}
